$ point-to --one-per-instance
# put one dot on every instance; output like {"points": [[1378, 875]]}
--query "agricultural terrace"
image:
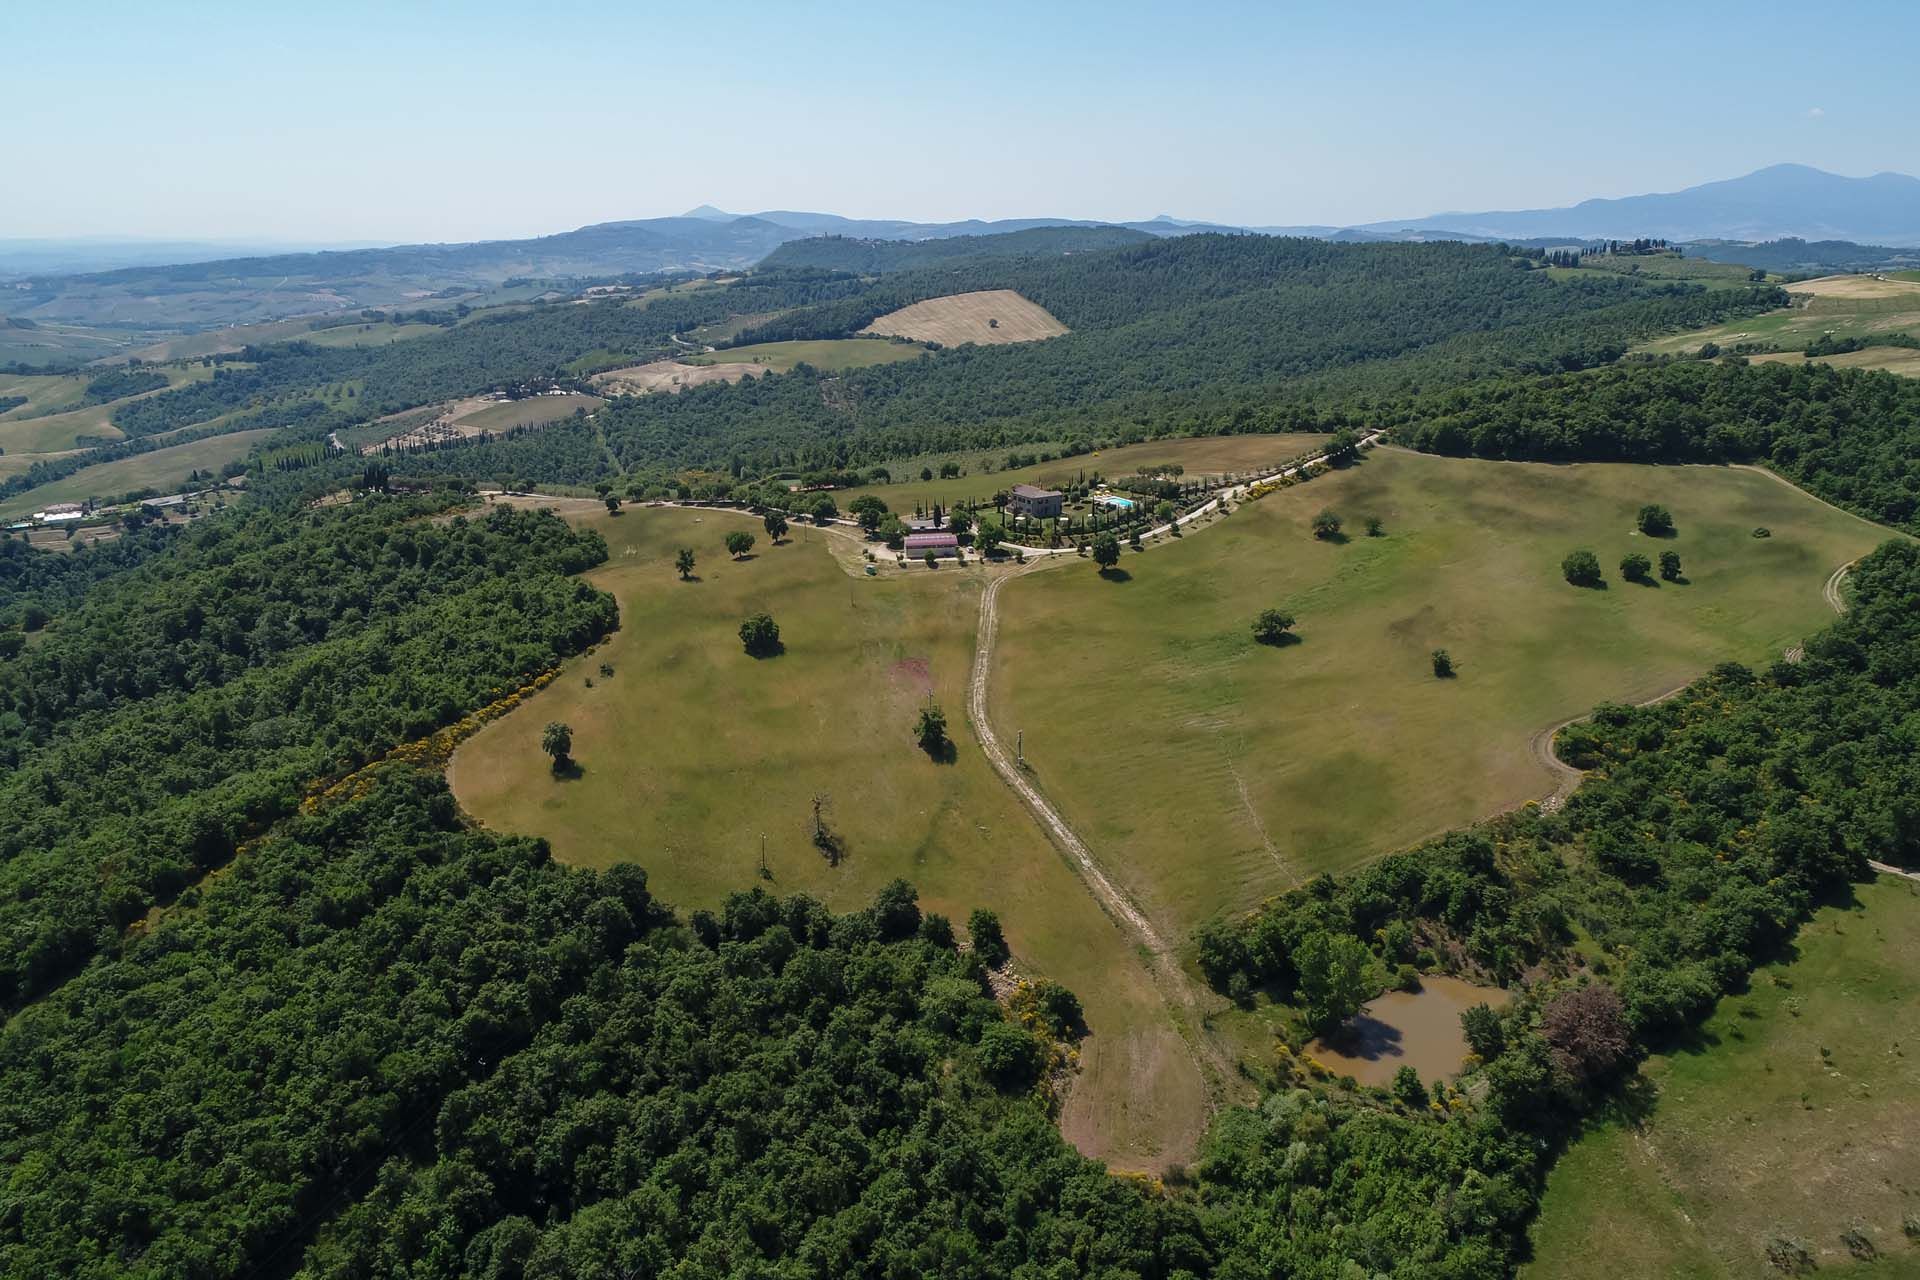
{"points": [[1210, 771], [987, 317], [1787, 1124], [830, 355], [164, 470], [1842, 306], [692, 751], [1200, 457]]}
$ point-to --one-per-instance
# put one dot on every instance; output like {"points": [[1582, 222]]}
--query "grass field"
{"points": [[828, 354], [1845, 306], [21, 431], [1200, 455], [370, 335], [1901, 360], [1210, 772], [533, 411], [225, 340], [988, 317], [163, 469], [1714, 275], [692, 751], [1758, 1133]]}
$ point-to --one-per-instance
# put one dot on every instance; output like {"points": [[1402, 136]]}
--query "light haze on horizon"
{"points": [[415, 122]]}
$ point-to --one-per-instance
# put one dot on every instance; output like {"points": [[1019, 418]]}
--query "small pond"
{"points": [[1418, 1029]]}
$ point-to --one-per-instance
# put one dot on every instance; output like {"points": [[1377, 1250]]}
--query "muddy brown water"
{"points": [[1418, 1029]]}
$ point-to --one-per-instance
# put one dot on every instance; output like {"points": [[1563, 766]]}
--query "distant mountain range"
{"points": [[1771, 204], [1783, 201]]}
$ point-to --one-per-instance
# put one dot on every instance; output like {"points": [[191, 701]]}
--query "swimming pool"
{"points": [[1110, 500]]}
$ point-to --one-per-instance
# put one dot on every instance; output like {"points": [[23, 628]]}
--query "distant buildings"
{"points": [[1036, 504]]}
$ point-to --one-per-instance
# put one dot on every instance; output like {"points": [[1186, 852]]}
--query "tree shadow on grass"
{"points": [[1646, 580], [942, 752], [568, 770], [773, 650], [1598, 584], [1338, 538], [692, 577], [1116, 574], [1284, 640]]}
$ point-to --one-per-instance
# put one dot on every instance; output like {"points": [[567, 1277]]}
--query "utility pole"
{"points": [[763, 857], [1020, 746]]}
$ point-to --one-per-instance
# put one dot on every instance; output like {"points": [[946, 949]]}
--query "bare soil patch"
{"points": [[989, 316]]}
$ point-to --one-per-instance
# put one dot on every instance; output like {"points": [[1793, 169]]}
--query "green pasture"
{"points": [[692, 752], [1810, 317], [1199, 455], [1791, 1118], [163, 469], [1211, 772]]}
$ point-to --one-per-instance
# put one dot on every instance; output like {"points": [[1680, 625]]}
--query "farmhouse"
{"points": [[1037, 504], [940, 544]]}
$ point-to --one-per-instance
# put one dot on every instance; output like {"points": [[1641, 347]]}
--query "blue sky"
{"points": [[345, 121]]}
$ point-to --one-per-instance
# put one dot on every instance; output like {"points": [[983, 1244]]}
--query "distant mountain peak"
{"points": [[1781, 200], [708, 213]]}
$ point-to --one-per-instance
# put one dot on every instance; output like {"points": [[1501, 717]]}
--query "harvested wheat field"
{"points": [[671, 376], [1856, 287], [989, 316]]}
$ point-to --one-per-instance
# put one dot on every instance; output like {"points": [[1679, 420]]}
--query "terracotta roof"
{"points": [[1029, 491]]}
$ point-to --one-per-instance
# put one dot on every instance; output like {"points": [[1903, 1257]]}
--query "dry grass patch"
{"points": [[671, 376], [987, 317], [1856, 287]]}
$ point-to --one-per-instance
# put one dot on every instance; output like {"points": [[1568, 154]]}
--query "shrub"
{"points": [[1635, 567], [1326, 524], [1582, 569], [1443, 664], [1655, 521], [1670, 565], [761, 635]]}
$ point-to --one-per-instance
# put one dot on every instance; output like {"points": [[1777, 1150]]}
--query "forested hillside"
{"points": [[1850, 436], [878, 257], [176, 711]]}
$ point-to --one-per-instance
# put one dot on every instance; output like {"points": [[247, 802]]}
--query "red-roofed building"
{"points": [[941, 544]]}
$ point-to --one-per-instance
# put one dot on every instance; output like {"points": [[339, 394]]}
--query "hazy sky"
{"points": [[338, 120]]}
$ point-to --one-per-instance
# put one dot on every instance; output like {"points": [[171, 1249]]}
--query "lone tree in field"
{"points": [[1655, 521], [775, 524], [683, 561], [931, 730], [1326, 525], [557, 741], [1106, 551], [613, 504], [1635, 567], [1582, 569], [739, 542], [1273, 626], [1443, 664], [761, 635], [1374, 527], [1670, 565]]}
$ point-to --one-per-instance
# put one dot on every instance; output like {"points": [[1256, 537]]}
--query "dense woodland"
{"points": [[880, 257]]}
